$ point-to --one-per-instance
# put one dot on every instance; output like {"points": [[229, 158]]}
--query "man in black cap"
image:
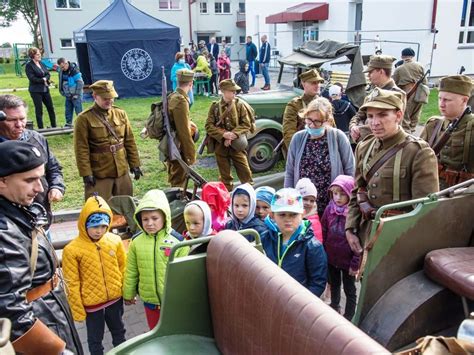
{"points": [[30, 295], [406, 76], [13, 127]]}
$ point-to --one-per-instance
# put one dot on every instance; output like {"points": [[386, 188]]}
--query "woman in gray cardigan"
{"points": [[319, 152]]}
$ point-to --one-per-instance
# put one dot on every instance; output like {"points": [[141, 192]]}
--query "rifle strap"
{"points": [[222, 115], [436, 131], [389, 154], [107, 126], [467, 142]]}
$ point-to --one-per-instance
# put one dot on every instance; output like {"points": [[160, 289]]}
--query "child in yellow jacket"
{"points": [[93, 266]]}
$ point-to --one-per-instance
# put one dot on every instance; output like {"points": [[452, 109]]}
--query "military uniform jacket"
{"points": [[90, 133], [458, 152], [361, 116], [291, 120], [178, 107], [418, 173], [236, 121]]}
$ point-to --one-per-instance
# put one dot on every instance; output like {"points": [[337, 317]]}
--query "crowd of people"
{"points": [[315, 228]]}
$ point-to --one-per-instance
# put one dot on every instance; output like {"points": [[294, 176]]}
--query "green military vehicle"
{"points": [[270, 105], [417, 281]]}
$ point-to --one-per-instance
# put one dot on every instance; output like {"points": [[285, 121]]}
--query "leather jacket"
{"points": [[16, 226]]}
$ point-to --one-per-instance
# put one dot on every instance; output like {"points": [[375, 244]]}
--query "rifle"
{"points": [[278, 147], [440, 143], [415, 87], [173, 151]]}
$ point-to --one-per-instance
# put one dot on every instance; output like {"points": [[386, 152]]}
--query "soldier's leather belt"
{"points": [[107, 148], [42, 290], [453, 177]]}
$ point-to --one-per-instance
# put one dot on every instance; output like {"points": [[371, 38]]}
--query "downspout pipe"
{"points": [[433, 16], [190, 20], [48, 29]]}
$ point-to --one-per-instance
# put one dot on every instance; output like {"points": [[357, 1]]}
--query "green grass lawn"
{"points": [[138, 110]]}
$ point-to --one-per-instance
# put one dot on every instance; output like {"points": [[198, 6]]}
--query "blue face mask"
{"points": [[181, 61], [315, 131]]}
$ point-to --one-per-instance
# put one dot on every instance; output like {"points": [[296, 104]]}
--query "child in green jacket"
{"points": [[148, 254]]}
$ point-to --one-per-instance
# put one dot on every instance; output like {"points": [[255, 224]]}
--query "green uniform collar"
{"points": [[100, 109], [395, 139], [308, 98]]}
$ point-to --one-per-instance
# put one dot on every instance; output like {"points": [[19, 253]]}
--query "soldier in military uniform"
{"points": [[406, 76], [380, 71], [104, 145], [391, 165], [227, 125], [178, 107], [292, 123], [456, 158]]}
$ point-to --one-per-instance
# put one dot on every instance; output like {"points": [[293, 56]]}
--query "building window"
{"points": [[466, 33], [242, 40], [222, 7], [203, 7], [242, 7], [67, 43], [170, 4], [68, 4], [227, 39]]}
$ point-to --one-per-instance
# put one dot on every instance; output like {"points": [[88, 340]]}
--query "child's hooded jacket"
{"points": [[249, 222], [148, 253], [93, 270]]}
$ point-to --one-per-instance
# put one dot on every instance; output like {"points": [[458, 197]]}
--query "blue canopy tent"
{"points": [[127, 46]]}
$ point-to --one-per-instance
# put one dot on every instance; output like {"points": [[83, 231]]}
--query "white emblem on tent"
{"points": [[136, 64]]}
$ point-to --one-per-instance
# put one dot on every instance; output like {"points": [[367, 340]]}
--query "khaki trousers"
{"points": [[108, 187], [226, 155], [176, 174]]}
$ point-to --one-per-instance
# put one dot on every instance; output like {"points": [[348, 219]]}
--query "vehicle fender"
{"points": [[264, 124]]}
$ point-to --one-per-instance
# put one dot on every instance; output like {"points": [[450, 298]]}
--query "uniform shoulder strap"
{"points": [[467, 142], [436, 130]]}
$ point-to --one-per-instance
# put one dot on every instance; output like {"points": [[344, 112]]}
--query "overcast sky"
{"points": [[18, 32]]}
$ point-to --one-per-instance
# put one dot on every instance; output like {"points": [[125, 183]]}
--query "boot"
{"points": [[39, 340]]}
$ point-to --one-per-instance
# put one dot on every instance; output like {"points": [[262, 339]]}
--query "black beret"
{"points": [[408, 52], [18, 157]]}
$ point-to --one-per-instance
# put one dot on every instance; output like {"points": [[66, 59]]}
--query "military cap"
{"points": [[19, 156], [457, 84], [240, 143], [311, 76], [104, 88], [385, 99], [380, 62], [408, 52], [185, 75], [229, 84], [202, 42]]}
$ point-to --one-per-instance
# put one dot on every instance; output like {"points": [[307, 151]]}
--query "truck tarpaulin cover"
{"points": [[129, 47], [314, 54]]}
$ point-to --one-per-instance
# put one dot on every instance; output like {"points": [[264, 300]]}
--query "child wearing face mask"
{"points": [[244, 201], [342, 262], [310, 194], [198, 220], [93, 266], [148, 254]]}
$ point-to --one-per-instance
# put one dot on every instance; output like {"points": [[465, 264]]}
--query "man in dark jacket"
{"points": [[251, 55], [264, 59], [70, 86], [12, 127], [30, 292]]}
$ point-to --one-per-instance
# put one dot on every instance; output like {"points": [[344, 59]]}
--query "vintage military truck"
{"points": [[417, 280], [270, 105]]}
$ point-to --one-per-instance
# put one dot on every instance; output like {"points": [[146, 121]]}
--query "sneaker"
{"points": [[68, 125], [266, 87]]}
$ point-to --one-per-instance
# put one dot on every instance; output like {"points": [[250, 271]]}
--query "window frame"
{"points": [[466, 29], [73, 45], [200, 8], [169, 8], [68, 5], [221, 3]]}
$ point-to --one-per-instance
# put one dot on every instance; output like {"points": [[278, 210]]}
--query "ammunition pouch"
{"points": [[452, 177], [365, 207]]}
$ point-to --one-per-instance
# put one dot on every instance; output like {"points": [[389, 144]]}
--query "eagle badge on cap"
{"points": [[36, 151], [373, 95]]}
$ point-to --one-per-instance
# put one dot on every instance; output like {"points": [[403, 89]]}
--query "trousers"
{"points": [[224, 157], [108, 187], [95, 324], [40, 98], [350, 291]]}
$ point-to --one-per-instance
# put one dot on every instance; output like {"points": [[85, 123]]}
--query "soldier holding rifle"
{"points": [[391, 166], [452, 134]]}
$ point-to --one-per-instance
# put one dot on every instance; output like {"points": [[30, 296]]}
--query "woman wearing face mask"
{"points": [[319, 152], [178, 65]]}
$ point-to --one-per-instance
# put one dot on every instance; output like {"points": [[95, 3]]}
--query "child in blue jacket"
{"points": [[244, 202], [293, 246]]}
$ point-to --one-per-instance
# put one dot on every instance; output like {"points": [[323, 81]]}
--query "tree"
{"points": [[6, 45], [11, 9]]}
